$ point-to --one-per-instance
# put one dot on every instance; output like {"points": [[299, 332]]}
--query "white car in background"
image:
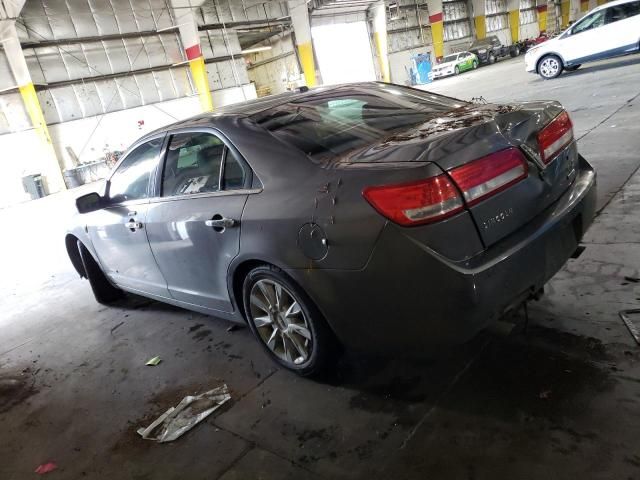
{"points": [[454, 64], [607, 31]]}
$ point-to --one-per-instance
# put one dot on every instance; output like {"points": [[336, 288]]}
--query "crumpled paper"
{"points": [[191, 410]]}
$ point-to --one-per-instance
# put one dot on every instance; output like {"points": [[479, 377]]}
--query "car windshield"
{"points": [[334, 122], [450, 58]]}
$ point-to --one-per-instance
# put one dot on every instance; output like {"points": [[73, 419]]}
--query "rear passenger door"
{"points": [[622, 26], [194, 224]]}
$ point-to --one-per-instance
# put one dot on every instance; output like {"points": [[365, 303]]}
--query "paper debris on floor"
{"points": [[46, 468], [187, 414], [153, 361], [631, 319]]}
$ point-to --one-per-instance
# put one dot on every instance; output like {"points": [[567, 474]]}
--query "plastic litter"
{"points": [[46, 468], [631, 319], [191, 410], [153, 361]]}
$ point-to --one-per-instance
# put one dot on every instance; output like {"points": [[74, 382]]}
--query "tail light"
{"points": [[416, 203], [555, 136], [489, 175], [437, 198]]}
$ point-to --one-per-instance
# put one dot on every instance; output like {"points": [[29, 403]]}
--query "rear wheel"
{"points": [[286, 323], [104, 292], [515, 51], [456, 70], [475, 64], [549, 67]]}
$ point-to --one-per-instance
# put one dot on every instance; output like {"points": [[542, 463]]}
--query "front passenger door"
{"points": [[118, 231], [194, 226], [585, 41]]}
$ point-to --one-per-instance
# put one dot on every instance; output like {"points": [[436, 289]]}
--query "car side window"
{"points": [[234, 172], [192, 164], [616, 13], [131, 180], [632, 9], [589, 22]]}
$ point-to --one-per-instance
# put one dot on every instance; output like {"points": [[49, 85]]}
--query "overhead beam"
{"points": [[151, 33]]}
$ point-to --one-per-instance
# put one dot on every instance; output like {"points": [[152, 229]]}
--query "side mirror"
{"points": [[89, 203]]}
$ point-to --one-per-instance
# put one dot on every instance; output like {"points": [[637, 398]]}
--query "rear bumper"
{"points": [[408, 298]]}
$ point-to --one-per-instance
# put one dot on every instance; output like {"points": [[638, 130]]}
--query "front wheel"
{"points": [[102, 289], [492, 59], [286, 323], [550, 67]]}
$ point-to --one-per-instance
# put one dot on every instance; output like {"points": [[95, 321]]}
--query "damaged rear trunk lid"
{"points": [[378, 126], [472, 132]]}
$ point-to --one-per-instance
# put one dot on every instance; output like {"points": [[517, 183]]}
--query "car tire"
{"points": [[101, 287], [514, 52], [308, 350], [456, 71], [492, 59], [550, 66], [572, 68], [474, 64]]}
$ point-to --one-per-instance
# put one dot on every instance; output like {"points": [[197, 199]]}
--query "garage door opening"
{"points": [[344, 52]]}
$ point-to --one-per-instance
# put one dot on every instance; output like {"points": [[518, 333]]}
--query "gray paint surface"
{"points": [[550, 211]]}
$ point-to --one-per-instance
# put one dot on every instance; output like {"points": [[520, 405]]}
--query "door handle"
{"points": [[133, 225], [221, 223]]}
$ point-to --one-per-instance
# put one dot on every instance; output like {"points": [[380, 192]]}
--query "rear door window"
{"points": [[193, 164], [616, 13], [632, 9]]}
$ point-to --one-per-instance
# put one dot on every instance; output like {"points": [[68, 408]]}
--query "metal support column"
{"points": [[52, 165], [437, 27], [380, 39], [188, 29], [300, 19], [513, 7]]}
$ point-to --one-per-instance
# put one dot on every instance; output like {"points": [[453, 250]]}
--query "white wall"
{"points": [[455, 46], [90, 137], [504, 35], [278, 75], [529, 30]]}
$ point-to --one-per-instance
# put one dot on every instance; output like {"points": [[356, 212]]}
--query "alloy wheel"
{"points": [[280, 322], [549, 67]]}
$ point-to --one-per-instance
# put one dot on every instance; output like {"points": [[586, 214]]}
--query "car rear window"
{"points": [[334, 122]]}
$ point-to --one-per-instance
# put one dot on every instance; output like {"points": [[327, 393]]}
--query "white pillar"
{"points": [[302, 29]]}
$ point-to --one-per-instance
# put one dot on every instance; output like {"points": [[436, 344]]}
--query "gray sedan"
{"points": [[368, 216]]}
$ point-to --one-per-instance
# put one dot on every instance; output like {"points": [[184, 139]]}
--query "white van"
{"points": [[607, 31]]}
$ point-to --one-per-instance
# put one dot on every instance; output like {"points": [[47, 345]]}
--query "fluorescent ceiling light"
{"points": [[254, 50]]}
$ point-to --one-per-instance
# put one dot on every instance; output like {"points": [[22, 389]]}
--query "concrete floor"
{"points": [[559, 401]]}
